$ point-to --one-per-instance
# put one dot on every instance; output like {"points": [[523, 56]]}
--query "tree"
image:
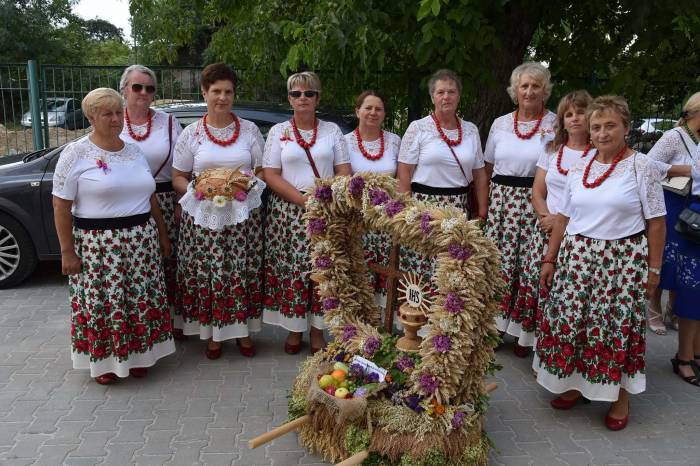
{"points": [[100, 30]]}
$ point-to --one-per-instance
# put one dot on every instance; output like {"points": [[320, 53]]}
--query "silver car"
{"points": [[61, 111]]}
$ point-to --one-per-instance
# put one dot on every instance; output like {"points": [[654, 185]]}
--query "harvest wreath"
{"points": [[428, 408]]}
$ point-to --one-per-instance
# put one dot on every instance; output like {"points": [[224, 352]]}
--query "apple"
{"points": [[326, 381], [339, 366], [330, 390], [344, 384], [342, 393]]}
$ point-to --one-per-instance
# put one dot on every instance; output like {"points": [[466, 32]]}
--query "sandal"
{"points": [[691, 379], [669, 319], [655, 321]]}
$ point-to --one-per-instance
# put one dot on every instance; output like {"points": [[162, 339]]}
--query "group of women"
{"points": [[577, 215]]}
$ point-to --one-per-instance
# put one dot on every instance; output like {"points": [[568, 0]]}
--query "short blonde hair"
{"points": [[534, 69], [101, 98], [610, 103], [306, 79], [690, 109]]}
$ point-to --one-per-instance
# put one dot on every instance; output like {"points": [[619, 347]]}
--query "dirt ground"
{"points": [[20, 141]]}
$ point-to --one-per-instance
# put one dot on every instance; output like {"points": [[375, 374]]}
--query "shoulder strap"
{"points": [[311, 161], [680, 135], [458, 162], [170, 145]]}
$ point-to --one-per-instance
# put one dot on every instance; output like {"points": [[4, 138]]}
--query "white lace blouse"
{"points": [[283, 152], [674, 147], [423, 147], [121, 189], [555, 181], [512, 156], [385, 165], [618, 207], [158, 147]]}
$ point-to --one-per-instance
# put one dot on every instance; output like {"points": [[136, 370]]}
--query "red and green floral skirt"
{"points": [[167, 202], [290, 299], [377, 245], [219, 279], [120, 317], [512, 226], [591, 336]]}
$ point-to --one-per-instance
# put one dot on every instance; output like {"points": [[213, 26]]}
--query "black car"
{"points": [[27, 231]]}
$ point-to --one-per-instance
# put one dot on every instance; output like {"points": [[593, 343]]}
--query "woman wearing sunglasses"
{"points": [[220, 269], [296, 153], [155, 132]]}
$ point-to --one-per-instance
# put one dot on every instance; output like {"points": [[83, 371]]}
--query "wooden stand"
{"points": [[355, 459], [412, 319]]}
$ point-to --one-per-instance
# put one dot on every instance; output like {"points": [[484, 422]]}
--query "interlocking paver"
{"points": [[190, 410]]}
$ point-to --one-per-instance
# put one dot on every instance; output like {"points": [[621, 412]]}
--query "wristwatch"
{"points": [[655, 270]]}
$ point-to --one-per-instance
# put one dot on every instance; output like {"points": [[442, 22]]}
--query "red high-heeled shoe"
{"points": [[178, 335], [246, 351], [214, 353], [106, 379], [290, 348], [521, 351], [617, 424], [562, 403]]}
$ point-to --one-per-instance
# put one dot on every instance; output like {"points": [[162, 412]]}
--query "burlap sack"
{"points": [[224, 182]]}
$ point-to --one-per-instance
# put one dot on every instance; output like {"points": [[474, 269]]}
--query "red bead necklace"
{"points": [[364, 151], [223, 142], [133, 135], [561, 153], [607, 173], [530, 133], [444, 137], [300, 140]]}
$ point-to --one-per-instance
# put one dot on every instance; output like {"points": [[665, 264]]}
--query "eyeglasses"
{"points": [[140, 87], [297, 94]]}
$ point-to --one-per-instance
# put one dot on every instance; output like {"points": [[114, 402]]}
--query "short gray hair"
{"points": [[444, 75], [307, 79], [124, 80], [535, 70]]}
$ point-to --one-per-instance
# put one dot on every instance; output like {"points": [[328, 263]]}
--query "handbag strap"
{"points": [[311, 161], [458, 162], [680, 135], [170, 144]]}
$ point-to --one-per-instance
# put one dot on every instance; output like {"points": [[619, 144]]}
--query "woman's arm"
{"points": [[539, 202], [481, 189], [343, 169], [180, 181], [165, 246], [282, 187], [656, 235], [70, 262], [489, 170], [679, 170], [555, 239], [404, 173]]}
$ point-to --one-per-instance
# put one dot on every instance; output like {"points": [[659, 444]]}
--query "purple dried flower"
{"points": [[323, 193], [428, 384], [316, 226], [459, 252], [453, 303], [323, 262], [373, 377], [340, 356], [458, 419], [393, 207], [371, 346], [356, 186], [330, 303], [360, 392], [425, 219], [349, 331], [356, 370], [378, 196], [442, 343], [405, 363], [413, 402]]}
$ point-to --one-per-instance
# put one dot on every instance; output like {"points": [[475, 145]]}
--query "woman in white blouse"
{"points": [[570, 145], [515, 142], [155, 132], [440, 158], [220, 259], [296, 153], [103, 190], [604, 256], [374, 150], [675, 148]]}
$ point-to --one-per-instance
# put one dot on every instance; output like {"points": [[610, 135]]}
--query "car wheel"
{"points": [[17, 255]]}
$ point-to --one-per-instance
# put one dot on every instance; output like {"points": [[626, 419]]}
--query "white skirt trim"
{"points": [[227, 332], [294, 324], [111, 364], [516, 330]]}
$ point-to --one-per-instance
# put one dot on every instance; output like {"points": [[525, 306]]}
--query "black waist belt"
{"points": [[110, 223], [639, 234], [514, 181], [423, 189], [164, 187]]}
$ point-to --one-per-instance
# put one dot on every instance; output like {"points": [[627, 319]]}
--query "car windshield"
{"points": [[53, 104]]}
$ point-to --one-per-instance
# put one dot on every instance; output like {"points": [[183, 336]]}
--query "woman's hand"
{"points": [[178, 213], [70, 263], [546, 276], [546, 223], [166, 247], [652, 282]]}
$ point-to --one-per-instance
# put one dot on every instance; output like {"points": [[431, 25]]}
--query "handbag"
{"points": [[688, 225], [678, 184]]}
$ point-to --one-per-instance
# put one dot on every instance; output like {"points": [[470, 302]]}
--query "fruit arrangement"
{"points": [[348, 382]]}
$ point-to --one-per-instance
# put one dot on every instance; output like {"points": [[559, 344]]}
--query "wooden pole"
{"points": [[491, 387], [392, 274], [278, 431], [355, 459]]}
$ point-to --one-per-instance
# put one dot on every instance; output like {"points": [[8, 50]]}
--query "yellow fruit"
{"points": [[339, 375]]}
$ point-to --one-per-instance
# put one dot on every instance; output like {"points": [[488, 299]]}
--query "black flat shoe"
{"points": [[691, 379]]}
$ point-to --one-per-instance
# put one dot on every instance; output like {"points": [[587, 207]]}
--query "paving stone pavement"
{"points": [[192, 411]]}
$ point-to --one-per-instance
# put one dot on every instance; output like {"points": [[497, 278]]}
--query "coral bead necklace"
{"points": [[530, 133], [223, 142], [561, 153], [448, 141], [300, 140], [131, 131], [607, 173], [364, 151]]}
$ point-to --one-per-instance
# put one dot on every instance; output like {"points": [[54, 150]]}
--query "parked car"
{"points": [[27, 231], [653, 125], [61, 111]]}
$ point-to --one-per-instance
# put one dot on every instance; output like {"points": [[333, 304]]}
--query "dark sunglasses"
{"points": [[297, 94], [140, 87]]}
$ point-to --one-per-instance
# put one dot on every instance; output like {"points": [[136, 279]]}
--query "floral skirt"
{"points": [[290, 299], [674, 206], [377, 246], [120, 317], [511, 225], [592, 334], [220, 279], [411, 260], [686, 258], [167, 202]]}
